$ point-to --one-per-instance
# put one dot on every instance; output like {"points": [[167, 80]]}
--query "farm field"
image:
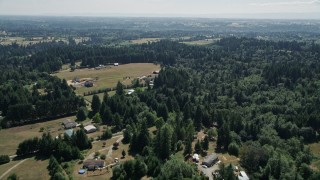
{"points": [[8, 146], [37, 169], [109, 76]]}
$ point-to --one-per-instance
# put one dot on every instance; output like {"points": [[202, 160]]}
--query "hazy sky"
{"points": [[159, 7]]}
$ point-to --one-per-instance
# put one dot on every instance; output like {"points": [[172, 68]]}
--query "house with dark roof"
{"points": [[210, 160], [68, 124], [92, 164]]}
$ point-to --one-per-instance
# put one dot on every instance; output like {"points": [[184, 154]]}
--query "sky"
{"points": [[178, 8]]}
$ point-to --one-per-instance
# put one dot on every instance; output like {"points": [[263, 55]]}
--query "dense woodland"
{"points": [[261, 96]]}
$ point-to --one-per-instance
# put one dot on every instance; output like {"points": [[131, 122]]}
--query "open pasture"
{"points": [[108, 77]]}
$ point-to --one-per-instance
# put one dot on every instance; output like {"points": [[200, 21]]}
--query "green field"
{"points": [[108, 77]]}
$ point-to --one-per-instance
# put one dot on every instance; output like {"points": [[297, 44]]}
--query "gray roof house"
{"points": [[68, 124], [92, 164], [210, 160]]}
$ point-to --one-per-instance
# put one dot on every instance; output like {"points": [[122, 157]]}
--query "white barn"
{"points": [[90, 128]]}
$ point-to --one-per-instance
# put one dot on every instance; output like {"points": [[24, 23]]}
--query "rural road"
{"points": [[5, 173]]}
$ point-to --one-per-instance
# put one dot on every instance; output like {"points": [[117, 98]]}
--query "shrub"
{"points": [[103, 156], [107, 134], [4, 159], [233, 149]]}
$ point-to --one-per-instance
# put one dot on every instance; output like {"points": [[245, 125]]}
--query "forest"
{"points": [[262, 97]]}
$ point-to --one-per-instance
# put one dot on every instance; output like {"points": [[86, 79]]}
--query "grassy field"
{"points": [[5, 167], [35, 40], [104, 174], [144, 40], [31, 169], [89, 98], [200, 42], [315, 149], [109, 77], [18, 134], [25, 41]]}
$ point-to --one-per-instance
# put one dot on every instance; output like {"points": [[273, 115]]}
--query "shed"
{"points": [[90, 128], [69, 132], [130, 91], [243, 176], [92, 164], [195, 157], [210, 160], [68, 124]]}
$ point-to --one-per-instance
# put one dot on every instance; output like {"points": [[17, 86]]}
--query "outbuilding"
{"points": [[243, 176], [68, 124], [210, 160], [90, 128]]}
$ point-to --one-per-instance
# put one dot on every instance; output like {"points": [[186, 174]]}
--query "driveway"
{"points": [[208, 171]]}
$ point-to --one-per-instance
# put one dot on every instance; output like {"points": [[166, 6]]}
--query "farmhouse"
{"points": [[90, 128], [210, 160], [93, 164], [68, 124]]}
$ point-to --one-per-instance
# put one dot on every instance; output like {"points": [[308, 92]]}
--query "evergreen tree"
{"points": [[119, 89], [82, 114], [95, 104]]}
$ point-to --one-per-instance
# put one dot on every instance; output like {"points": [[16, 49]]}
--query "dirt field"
{"points": [[18, 134], [109, 77]]}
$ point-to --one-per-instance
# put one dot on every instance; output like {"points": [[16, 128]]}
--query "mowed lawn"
{"points": [[108, 77], [10, 138], [31, 169]]}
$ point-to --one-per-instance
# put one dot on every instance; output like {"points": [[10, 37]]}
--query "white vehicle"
{"points": [[204, 166]]}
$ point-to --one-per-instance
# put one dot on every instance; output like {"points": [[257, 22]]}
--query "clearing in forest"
{"points": [[107, 77]]}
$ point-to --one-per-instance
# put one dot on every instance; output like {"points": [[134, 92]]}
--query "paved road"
{"points": [[4, 174]]}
